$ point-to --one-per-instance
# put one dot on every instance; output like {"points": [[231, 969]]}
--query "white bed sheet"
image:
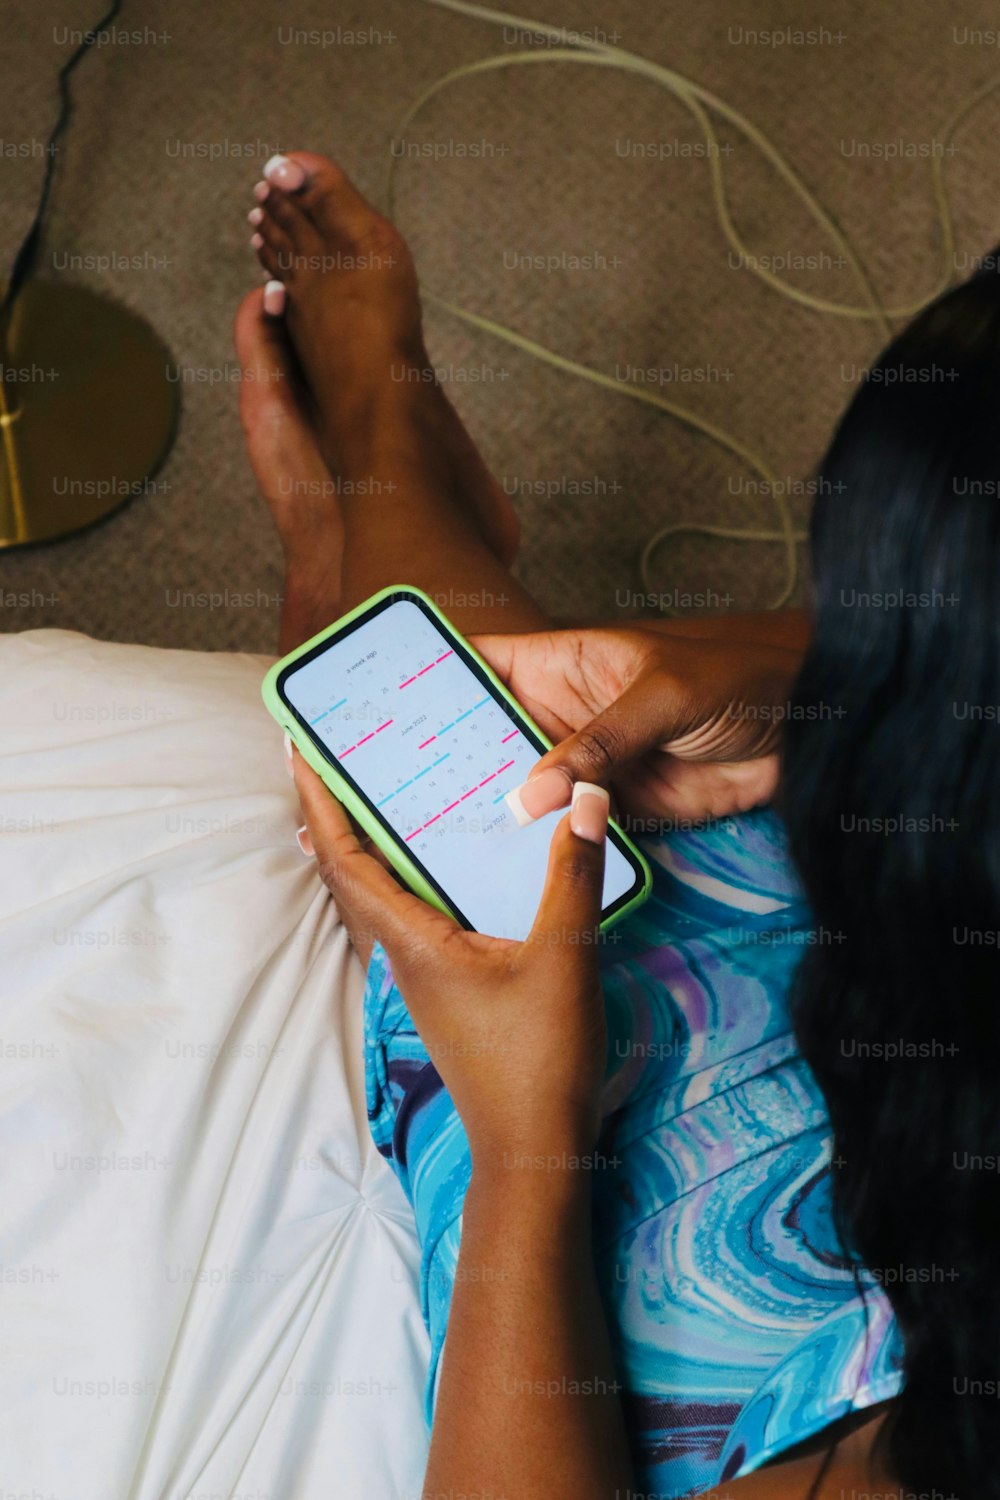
{"points": [[209, 1276]]}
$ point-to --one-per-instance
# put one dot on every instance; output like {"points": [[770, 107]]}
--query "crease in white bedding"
{"points": [[215, 1274]]}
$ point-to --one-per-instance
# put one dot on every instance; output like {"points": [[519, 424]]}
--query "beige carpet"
{"points": [[554, 176]]}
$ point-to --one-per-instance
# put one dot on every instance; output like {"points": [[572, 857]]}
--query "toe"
{"points": [[275, 299], [268, 258], [271, 388], [276, 242], [265, 359], [290, 221], [251, 332], [330, 199]]}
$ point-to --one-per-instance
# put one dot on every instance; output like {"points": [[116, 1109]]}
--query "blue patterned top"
{"points": [[740, 1325]]}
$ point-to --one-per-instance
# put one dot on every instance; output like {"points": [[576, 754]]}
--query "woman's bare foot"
{"points": [[291, 471], [353, 314]]}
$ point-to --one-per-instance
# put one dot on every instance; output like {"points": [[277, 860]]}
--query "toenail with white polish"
{"points": [[274, 299], [285, 173], [256, 241], [255, 216], [261, 190]]}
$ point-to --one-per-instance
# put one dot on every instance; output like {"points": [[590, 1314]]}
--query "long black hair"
{"points": [[891, 789]]}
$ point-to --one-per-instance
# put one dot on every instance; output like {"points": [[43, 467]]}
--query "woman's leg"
{"points": [[370, 475]]}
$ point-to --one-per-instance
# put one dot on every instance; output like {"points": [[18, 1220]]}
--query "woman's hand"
{"points": [[681, 727], [516, 1030]]}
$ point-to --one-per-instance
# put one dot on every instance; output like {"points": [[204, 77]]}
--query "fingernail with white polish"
{"points": [[256, 241], [305, 842], [261, 190], [255, 216], [539, 795], [274, 299], [288, 754], [285, 173], [589, 815]]}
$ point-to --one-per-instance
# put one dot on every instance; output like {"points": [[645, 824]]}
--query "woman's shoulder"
{"points": [[846, 1460]]}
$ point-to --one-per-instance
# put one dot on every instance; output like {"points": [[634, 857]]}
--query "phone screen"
{"points": [[415, 726]]}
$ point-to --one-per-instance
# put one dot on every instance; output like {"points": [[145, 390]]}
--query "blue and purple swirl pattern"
{"points": [[741, 1326]]}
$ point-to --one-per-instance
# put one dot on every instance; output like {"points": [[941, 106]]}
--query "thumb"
{"points": [[643, 717], [572, 898]]}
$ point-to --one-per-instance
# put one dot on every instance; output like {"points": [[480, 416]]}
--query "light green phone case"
{"points": [[344, 793]]}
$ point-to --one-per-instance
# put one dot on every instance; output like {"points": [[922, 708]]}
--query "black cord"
{"points": [[24, 261]]}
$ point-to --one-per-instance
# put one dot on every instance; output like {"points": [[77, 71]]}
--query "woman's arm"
{"points": [[529, 1403], [787, 628], [791, 628]]}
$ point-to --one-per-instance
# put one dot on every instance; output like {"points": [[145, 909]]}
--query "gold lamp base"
{"points": [[87, 411]]}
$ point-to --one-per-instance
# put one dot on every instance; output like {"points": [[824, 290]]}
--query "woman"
{"points": [[891, 831]]}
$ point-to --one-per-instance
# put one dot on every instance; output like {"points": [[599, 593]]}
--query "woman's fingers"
{"points": [[379, 905], [647, 714], [407, 926], [698, 702], [501, 651], [570, 909], [540, 668]]}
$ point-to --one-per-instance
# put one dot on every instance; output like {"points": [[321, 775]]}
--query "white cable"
{"points": [[582, 50]]}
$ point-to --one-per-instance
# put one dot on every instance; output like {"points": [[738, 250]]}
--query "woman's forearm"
{"points": [[529, 1404], [786, 628]]}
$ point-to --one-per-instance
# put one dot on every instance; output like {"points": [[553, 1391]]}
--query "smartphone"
{"points": [[415, 735]]}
